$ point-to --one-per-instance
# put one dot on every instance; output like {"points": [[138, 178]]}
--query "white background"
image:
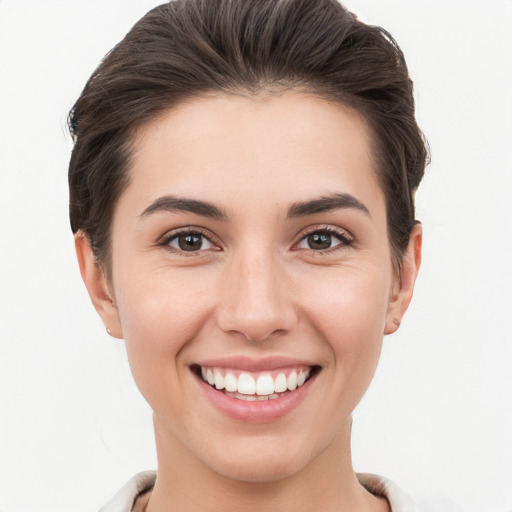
{"points": [[438, 417]]}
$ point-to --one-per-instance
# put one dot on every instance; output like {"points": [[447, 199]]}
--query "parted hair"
{"points": [[185, 48]]}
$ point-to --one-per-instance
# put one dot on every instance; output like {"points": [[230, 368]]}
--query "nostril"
{"points": [[257, 327], [255, 303]]}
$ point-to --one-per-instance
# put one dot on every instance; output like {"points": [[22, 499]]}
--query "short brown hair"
{"points": [[188, 47]]}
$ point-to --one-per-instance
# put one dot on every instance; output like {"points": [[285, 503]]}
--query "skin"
{"points": [[256, 289]]}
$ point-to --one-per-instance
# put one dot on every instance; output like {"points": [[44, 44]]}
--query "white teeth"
{"points": [[292, 381], [246, 384], [248, 387], [231, 383], [281, 385], [264, 385], [219, 379]]}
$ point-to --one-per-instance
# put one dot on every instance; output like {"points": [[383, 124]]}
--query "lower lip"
{"points": [[264, 411]]}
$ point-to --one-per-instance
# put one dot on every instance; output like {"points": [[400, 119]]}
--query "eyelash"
{"points": [[345, 239], [175, 235], [343, 236]]}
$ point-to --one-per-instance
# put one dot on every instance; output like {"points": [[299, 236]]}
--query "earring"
{"points": [[109, 332], [396, 321]]}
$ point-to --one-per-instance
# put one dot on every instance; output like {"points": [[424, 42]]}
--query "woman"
{"points": [[241, 193]]}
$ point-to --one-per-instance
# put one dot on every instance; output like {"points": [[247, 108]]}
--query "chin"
{"points": [[258, 471], [261, 461]]}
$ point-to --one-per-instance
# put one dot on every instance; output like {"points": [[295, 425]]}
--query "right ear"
{"points": [[95, 281]]}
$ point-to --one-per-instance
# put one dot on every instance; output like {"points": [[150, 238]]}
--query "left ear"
{"points": [[404, 286]]}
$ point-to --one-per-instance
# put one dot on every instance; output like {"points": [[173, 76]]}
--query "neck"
{"points": [[185, 483]]}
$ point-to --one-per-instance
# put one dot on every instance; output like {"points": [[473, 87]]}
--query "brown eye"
{"points": [[189, 242], [319, 241], [323, 240]]}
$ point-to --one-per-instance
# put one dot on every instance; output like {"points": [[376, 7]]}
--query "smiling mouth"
{"points": [[261, 386]]}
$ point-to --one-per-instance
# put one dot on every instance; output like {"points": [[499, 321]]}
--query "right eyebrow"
{"points": [[183, 204]]}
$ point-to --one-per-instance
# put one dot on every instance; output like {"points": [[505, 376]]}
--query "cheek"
{"points": [[349, 317], [354, 326], [159, 304], [160, 313], [350, 305]]}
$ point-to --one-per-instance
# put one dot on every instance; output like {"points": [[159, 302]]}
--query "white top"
{"points": [[124, 500]]}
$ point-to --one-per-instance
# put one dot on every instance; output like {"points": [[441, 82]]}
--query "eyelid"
{"points": [[342, 234], [164, 240]]}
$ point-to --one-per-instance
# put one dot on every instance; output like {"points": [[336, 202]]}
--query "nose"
{"points": [[256, 301]]}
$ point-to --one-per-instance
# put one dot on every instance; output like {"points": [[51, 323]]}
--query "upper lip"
{"points": [[250, 364]]}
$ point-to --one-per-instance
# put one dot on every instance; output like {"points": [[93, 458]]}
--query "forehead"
{"points": [[227, 148]]}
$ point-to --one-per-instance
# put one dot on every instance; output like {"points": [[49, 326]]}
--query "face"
{"points": [[252, 280]]}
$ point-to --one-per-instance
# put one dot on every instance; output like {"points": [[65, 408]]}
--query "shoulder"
{"points": [[124, 500], [399, 501]]}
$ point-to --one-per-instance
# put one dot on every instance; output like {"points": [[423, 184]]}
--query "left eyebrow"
{"points": [[326, 204]]}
